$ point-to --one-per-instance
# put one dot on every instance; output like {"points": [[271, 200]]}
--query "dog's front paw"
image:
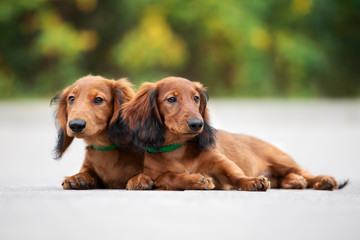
{"points": [[325, 183], [140, 182], [200, 182], [80, 181], [254, 184]]}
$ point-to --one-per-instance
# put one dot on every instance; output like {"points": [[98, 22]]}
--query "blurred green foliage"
{"points": [[235, 47]]}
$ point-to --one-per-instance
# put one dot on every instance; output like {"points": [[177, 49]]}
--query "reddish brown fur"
{"points": [[100, 169], [235, 162]]}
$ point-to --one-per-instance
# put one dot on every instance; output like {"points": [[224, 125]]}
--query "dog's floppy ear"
{"points": [[207, 137], [143, 118], [122, 92], [119, 132], [63, 140]]}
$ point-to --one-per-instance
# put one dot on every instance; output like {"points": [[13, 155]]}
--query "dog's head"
{"points": [[88, 107], [172, 110]]}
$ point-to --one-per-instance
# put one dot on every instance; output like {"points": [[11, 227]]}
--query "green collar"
{"points": [[167, 148], [111, 147]]}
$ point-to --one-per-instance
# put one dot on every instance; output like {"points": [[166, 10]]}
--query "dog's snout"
{"points": [[77, 125], [195, 124]]}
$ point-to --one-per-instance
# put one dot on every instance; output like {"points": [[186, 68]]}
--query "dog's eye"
{"points": [[71, 100], [196, 98], [98, 100], [172, 100]]}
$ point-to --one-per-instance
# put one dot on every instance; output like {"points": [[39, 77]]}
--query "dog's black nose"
{"points": [[195, 124], [77, 125]]}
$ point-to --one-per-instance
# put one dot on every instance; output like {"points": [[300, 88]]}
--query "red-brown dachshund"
{"points": [[88, 109], [170, 120]]}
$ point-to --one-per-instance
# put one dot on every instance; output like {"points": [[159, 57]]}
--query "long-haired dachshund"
{"points": [[169, 119], [88, 109]]}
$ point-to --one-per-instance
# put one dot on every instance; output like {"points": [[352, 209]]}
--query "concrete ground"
{"points": [[323, 136]]}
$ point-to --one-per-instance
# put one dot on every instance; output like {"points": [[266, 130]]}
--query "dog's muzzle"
{"points": [[77, 125], [195, 124]]}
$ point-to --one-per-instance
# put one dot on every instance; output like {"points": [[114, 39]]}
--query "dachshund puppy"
{"points": [[169, 119], [87, 109]]}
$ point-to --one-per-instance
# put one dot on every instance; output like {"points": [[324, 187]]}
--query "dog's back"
{"points": [[254, 156]]}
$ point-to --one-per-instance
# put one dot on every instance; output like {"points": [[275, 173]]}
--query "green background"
{"points": [[247, 48]]}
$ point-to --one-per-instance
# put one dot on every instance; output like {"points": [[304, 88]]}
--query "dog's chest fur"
{"points": [[115, 167]]}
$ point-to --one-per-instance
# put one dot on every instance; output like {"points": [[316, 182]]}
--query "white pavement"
{"points": [[322, 135]]}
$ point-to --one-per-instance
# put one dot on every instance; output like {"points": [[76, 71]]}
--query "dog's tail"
{"points": [[342, 185]]}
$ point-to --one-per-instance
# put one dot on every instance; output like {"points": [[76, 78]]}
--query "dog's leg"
{"points": [[81, 181], [293, 181], [228, 172], [295, 176], [244, 183], [140, 182], [298, 178], [183, 181], [321, 182], [292, 175], [85, 179]]}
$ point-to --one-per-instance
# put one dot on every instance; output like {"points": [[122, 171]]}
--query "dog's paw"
{"points": [[80, 181], [325, 183], [200, 182], [293, 181], [140, 182], [254, 184]]}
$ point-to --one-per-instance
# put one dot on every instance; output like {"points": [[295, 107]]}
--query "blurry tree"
{"points": [[235, 47]]}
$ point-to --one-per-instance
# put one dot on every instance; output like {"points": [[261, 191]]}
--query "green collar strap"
{"points": [[111, 147], [167, 148]]}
